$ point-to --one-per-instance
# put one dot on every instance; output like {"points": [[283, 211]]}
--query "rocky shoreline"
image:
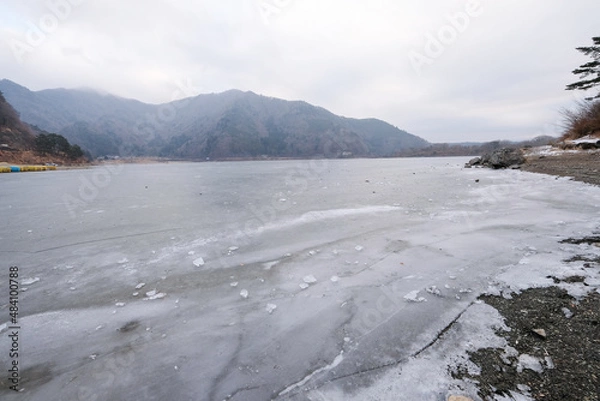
{"points": [[582, 166], [559, 334]]}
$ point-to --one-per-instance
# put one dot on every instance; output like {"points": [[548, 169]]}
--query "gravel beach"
{"points": [[560, 333]]}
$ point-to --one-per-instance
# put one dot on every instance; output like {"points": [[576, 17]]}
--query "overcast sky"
{"points": [[448, 71]]}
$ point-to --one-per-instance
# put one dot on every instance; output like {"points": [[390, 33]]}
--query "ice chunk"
{"points": [[304, 286], [151, 295], [334, 279], [30, 280], [567, 312], [120, 304], [191, 252], [434, 290], [140, 285], [244, 294], [413, 296], [270, 308], [529, 362], [310, 279], [123, 261], [199, 262], [359, 248], [234, 284], [233, 248]]}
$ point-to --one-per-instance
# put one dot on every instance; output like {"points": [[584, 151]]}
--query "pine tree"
{"points": [[588, 69]]}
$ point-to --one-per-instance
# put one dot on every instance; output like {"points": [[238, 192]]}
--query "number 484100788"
{"points": [[13, 286]]}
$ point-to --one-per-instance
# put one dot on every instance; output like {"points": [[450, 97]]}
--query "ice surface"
{"points": [[431, 235]]}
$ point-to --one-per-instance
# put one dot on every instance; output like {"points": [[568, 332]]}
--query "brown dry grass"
{"points": [[20, 157], [583, 121]]}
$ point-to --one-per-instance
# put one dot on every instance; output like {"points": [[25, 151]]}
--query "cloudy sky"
{"points": [[446, 70]]}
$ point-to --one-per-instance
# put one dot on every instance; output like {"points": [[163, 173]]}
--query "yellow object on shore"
{"points": [[17, 169]]}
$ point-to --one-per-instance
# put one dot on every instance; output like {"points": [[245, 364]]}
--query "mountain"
{"points": [[217, 126], [14, 134], [23, 144]]}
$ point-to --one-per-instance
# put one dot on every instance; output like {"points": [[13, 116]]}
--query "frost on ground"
{"points": [[296, 311]]}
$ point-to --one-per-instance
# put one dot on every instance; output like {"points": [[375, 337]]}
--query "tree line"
{"points": [[57, 145]]}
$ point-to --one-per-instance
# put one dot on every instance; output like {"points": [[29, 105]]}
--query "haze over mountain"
{"points": [[225, 125]]}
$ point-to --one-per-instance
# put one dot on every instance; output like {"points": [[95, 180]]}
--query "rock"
{"points": [[540, 332], [459, 398], [473, 162], [502, 158]]}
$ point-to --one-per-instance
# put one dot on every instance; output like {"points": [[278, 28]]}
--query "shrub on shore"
{"points": [[583, 121]]}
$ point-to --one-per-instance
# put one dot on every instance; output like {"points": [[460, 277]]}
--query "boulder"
{"points": [[473, 162], [502, 158]]}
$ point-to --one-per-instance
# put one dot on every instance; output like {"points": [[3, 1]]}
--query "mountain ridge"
{"points": [[230, 124]]}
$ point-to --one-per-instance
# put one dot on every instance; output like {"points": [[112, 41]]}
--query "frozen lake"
{"points": [[274, 280]]}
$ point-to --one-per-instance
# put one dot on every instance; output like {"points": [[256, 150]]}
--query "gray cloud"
{"points": [[499, 73]]}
